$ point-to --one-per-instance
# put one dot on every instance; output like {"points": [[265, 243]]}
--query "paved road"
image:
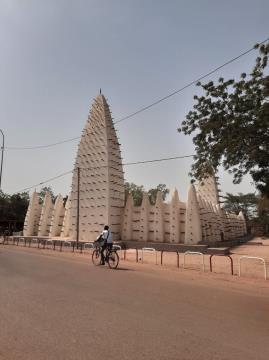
{"points": [[59, 307]]}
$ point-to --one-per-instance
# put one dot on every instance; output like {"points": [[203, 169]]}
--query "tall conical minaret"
{"points": [[101, 177], [208, 189]]}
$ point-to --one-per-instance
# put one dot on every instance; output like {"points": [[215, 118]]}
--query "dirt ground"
{"points": [[250, 268], [59, 306]]}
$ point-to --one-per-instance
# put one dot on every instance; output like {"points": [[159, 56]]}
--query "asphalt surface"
{"points": [[61, 307]]}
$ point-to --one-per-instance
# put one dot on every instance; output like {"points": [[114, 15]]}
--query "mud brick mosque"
{"points": [[97, 198]]}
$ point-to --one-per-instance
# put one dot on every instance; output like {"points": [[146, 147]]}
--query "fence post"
{"points": [[254, 258], [194, 253]]}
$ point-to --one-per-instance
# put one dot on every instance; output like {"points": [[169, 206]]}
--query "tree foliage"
{"points": [[138, 190], [263, 210], [43, 191], [247, 203], [231, 125], [13, 208], [153, 193]]}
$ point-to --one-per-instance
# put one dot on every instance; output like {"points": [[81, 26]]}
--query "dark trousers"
{"points": [[104, 247]]}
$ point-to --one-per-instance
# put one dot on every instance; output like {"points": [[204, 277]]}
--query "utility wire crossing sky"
{"points": [[128, 117], [55, 56], [97, 167], [148, 106]]}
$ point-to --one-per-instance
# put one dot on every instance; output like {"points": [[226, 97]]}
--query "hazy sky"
{"points": [[56, 54]]}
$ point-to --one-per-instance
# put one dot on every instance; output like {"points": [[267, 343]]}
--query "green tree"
{"points": [[138, 190], [263, 212], [231, 125], [18, 206], [153, 193], [43, 192], [13, 209], [247, 203], [4, 205]]}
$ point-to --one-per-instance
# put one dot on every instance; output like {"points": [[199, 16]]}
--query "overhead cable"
{"points": [[150, 105], [44, 182], [41, 146], [157, 160], [188, 85], [103, 166]]}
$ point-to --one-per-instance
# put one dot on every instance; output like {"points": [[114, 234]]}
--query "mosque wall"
{"points": [[98, 175], [175, 222], [32, 217]]}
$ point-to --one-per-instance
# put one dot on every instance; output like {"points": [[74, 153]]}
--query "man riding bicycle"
{"points": [[104, 252], [106, 236]]}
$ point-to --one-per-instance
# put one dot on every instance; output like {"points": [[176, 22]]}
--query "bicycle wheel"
{"points": [[96, 257], [113, 260]]}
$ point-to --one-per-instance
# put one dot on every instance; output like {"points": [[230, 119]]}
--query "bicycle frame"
{"points": [[107, 254]]}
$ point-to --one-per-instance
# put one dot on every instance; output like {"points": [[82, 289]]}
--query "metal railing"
{"points": [[32, 241], [194, 253], [149, 250], [67, 243], [170, 252], [128, 250], [253, 258], [48, 242], [88, 245], [228, 256], [22, 239]]}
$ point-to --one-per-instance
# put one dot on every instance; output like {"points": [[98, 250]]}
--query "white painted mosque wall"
{"points": [[127, 220], [57, 217], [135, 224], [160, 223], [46, 215], [216, 224], [193, 229], [173, 222], [157, 223], [208, 189], [32, 218], [66, 221]]}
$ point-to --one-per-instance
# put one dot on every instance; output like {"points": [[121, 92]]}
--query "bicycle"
{"points": [[111, 256]]}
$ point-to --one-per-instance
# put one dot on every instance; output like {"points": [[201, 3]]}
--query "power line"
{"points": [[188, 85], [104, 166], [150, 105], [41, 146], [53, 144], [157, 160], [141, 162], [44, 182]]}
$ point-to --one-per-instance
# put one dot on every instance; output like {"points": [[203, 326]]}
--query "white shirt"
{"points": [[107, 236]]}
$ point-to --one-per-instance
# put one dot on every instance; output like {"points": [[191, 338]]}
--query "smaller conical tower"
{"points": [[57, 217], [174, 220], [193, 228], [32, 216], [127, 225], [46, 215], [158, 219]]}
